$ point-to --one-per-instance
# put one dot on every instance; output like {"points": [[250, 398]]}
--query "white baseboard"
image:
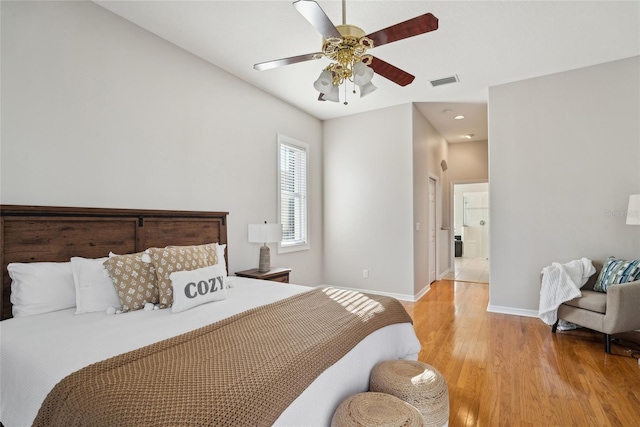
{"points": [[422, 293], [444, 273], [511, 311]]}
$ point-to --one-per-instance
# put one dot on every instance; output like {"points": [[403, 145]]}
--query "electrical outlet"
{"points": [[365, 274]]}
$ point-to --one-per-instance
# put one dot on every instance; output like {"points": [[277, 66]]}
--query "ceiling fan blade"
{"points": [[391, 72], [286, 61], [413, 27], [316, 17]]}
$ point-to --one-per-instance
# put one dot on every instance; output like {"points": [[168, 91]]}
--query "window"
{"points": [[293, 159]]}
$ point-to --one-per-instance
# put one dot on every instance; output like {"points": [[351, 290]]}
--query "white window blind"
{"points": [[293, 202]]}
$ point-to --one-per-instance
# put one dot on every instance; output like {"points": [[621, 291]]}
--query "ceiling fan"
{"points": [[346, 45]]}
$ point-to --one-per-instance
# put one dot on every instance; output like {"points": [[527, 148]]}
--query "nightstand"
{"points": [[275, 274]]}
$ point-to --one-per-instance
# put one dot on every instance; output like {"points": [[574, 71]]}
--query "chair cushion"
{"points": [[590, 300]]}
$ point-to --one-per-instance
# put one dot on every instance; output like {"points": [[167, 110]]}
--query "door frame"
{"points": [[452, 213]]}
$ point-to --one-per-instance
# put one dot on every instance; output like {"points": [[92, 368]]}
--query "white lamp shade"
{"points": [[325, 86], [333, 94], [265, 233], [362, 74], [367, 89], [633, 211], [324, 82]]}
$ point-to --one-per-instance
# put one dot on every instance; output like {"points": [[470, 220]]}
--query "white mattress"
{"points": [[39, 351]]}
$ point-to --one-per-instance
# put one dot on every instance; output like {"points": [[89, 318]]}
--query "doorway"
{"points": [[471, 232]]}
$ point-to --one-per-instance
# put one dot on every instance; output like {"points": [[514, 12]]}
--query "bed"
{"points": [[40, 352]]}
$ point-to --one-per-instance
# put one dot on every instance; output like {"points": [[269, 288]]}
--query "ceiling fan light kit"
{"points": [[346, 46], [362, 75], [350, 62]]}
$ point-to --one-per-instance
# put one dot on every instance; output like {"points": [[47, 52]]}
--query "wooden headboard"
{"points": [[55, 234]]}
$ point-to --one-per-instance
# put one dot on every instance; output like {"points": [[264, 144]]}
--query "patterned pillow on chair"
{"points": [[617, 271]]}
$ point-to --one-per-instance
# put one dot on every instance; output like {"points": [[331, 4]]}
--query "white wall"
{"points": [[368, 211], [468, 161], [564, 156], [97, 112], [429, 149], [421, 128], [376, 173]]}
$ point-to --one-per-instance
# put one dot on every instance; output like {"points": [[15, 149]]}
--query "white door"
{"points": [[476, 225], [432, 230]]}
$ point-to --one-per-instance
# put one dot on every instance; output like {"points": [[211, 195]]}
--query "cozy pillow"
{"points": [[41, 287], [199, 286], [94, 288], [179, 258], [616, 271], [134, 280]]}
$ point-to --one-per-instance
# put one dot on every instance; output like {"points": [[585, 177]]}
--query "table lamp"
{"points": [[633, 211], [264, 233]]}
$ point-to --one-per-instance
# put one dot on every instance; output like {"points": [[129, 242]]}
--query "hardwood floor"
{"points": [[507, 370]]}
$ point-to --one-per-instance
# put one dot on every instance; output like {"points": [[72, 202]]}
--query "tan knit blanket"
{"points": [[242, 371]]}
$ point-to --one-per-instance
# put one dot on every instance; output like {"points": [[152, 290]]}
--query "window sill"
{"points": [[293, 248]]}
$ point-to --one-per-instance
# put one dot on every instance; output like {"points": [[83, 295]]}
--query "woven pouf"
{"points": [[376, 410], [416, 383]]}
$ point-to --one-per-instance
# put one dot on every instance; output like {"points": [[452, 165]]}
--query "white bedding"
{"points": [[39, 351]]}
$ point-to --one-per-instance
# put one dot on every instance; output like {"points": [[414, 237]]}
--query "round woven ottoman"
{"points": [[376, 410], [416, 383]]}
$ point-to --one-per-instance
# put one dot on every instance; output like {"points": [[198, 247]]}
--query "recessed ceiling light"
{"points": [[447, 110], [469, 135], [459, 117]]}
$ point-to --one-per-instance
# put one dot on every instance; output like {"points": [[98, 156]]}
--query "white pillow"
{"points": [[220, 249], [221, 259], [194, 287], [41, 287], [94, 288]]}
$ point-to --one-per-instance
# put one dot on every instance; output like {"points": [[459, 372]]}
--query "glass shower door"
{"points": [[476, 225]]}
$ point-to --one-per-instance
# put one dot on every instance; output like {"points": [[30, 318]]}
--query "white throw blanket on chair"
{"points": [[560, 283]]}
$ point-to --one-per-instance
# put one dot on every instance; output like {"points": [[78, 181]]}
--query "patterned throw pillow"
{"points": [[134, 280], [179, 258], [616, 271]]}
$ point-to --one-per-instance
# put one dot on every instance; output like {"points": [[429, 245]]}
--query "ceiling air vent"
{"points": [[445, 81]]}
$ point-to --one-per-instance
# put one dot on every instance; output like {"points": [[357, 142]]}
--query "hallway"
{"points": [[469, 270]]}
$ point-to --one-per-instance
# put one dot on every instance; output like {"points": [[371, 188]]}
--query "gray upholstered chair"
{"points": [[613, 312]]}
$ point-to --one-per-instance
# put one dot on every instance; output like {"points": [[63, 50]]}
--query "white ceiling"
{"points": [[484, 43]]}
